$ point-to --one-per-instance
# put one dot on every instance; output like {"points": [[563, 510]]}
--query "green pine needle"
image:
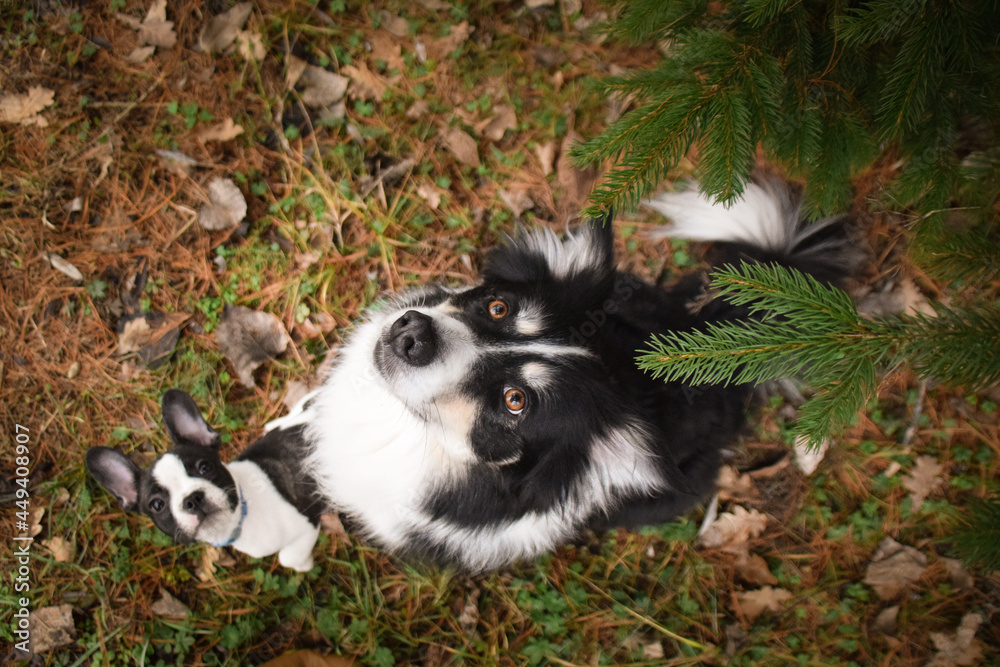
{"points": [[977, 533]]}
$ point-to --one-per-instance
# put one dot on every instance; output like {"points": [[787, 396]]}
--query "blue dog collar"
{"points": [[239, 526]]}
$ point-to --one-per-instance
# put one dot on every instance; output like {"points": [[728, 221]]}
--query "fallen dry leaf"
{"points": [[221, 30], [914, 302], [60, 548], [367, 84], [294, 67], [517, 200], [430, 194], [64, 267], [958, 576], [469, 618], [753, 569], [885, 622], [418, 109], [308, 659], [24, 109], [923, 480], [151, 337], [893, 568], [212, 556], [504, 118], [394, 25], [250, 45], [224, 131], [462, 146], [387, 48], [140, 54], [250, 338], [155, 29], [170, 606], [176, 161], [736, 486], [226, 208], [546, 154], [51, 627], [457, 35], [294, 392], [332, 526], [808, 459], [734, 528], [653, 651], [755, 603], [960, 647], [321, 88]]}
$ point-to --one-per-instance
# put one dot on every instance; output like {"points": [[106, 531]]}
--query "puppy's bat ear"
{"points": [[116, 473], [184, 422]]}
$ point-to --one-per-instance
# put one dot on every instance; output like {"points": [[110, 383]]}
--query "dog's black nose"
{"points": [[193, 502], [412, 338]]}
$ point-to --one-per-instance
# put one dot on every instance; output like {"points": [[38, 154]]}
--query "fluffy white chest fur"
{"points": [[374, 469], [272, 524]]}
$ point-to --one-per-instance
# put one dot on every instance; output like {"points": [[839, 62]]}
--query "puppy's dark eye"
{"points": [[157, 505], [204, 467], [498, 309], [515, 400]]}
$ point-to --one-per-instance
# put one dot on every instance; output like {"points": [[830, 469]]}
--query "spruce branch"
{"points": [[799, 326], [977, 533]]}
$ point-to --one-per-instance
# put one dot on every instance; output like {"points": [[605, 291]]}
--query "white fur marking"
{"points": [[576, 252], [530, 320], [764, 216]]}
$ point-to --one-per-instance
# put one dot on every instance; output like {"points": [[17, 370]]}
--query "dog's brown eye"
{"points": [[498, 309], [204, 467], [156, 505], [515, 400]]}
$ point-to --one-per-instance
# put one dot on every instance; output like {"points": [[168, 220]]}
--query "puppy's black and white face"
{"points": [[501, 369], [187, 492]]}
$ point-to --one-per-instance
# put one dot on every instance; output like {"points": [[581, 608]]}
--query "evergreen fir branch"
{"points": [[734, 353], [957, 347], [976, 534], [654, 83], [845, 143], [669, 129], [928, 63], [760, 12], [644, 21], [652, 122], [763, 85], [837, 403], [727, 147], [877, 21], [782, 291], [797, 138], [972, 258], [803, 327], [931, 176]]}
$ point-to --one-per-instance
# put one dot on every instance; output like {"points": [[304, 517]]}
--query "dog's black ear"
{"points": [[116, 473], [184, 422], [530, 257]]}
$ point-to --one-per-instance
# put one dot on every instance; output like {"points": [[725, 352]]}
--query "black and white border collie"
{"points": [[477, 426]]}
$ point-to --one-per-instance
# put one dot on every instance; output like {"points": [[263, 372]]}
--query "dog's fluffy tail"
{"points": [[765, 224]]}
